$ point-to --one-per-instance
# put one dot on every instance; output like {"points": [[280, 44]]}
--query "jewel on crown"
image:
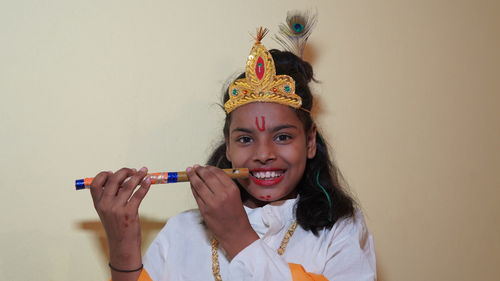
{"points": [[261, 84]]}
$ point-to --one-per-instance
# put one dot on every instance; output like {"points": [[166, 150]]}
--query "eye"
{"points": [[283, 138], [244, 139]]}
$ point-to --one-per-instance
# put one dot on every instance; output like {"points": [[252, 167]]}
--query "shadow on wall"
{"points": [[310, 55], [380, 271], [149, 227]]}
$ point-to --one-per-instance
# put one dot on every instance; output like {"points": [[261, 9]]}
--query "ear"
{"points": [[311, 142], [226, 140]]}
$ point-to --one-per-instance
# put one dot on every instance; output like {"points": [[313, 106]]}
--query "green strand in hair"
{"points": [[327, 196]]}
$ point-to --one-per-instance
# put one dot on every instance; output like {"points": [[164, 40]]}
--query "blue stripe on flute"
{"points": [[80, 184], [172, 177]]}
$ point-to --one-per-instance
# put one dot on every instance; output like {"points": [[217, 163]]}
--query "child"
{"points": [[290, 220]]}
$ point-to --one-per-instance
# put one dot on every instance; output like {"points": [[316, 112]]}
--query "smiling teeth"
{"points": [[267, 175]]}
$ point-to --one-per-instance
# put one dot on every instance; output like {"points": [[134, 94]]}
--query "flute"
{"points": [[169, 177]]}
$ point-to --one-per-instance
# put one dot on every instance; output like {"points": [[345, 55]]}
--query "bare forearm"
{"points": [[125, 258], [122, 276], [116, 200]]}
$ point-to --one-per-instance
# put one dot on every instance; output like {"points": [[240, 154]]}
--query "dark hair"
{"points": [[314, 210]]}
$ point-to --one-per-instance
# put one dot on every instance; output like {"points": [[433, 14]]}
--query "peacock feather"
{"points": [[293, 34]]}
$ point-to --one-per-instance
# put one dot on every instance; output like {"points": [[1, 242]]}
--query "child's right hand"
{"points": [[118, 207]]}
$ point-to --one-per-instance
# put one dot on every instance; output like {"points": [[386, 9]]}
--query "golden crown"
{"points": [[261, 84]]}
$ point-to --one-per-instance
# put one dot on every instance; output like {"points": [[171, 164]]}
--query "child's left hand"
{"points": [[219, 201]]}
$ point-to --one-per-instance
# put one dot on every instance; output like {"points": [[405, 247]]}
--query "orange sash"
{"points": [[298, 274], [143, 277]]}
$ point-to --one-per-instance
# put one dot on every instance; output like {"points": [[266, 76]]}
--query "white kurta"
{"points": [[182, 250]]}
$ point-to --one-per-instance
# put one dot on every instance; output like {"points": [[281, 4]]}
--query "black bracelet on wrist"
{"points": [[125, 271]]}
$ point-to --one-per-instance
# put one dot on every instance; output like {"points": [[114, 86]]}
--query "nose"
{"points": [[264, 153]]}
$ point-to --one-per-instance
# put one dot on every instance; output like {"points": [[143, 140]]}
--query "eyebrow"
{"points": [[281, 127], [243, 130], [273, 130]]}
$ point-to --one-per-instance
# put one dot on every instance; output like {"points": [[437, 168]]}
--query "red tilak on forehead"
{"points": [[259, 127]]}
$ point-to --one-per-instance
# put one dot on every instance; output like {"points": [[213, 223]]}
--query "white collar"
{"points": [[272, 218]]}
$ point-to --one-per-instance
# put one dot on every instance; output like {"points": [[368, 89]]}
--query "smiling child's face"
{"points": [[269, 139]]}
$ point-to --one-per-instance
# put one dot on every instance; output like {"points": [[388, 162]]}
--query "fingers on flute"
{"points": [[115, 182], [221, 184], [196, 196], [201, 191], [210, 178], [130, 184], [140, 193], [222, 177], [96, 187]]}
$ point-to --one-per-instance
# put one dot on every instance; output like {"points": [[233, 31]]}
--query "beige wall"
{"points": [[409, 92]]}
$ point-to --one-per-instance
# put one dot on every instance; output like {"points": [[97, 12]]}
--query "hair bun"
{"points": [[290, 64], [307, 70], [301, 71]]}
